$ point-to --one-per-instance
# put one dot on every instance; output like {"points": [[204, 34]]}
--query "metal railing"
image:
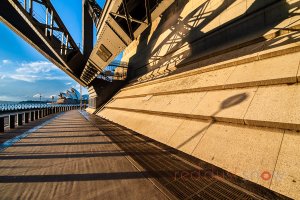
{"points": [[15, 115]]}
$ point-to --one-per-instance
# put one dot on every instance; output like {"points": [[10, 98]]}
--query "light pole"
{"points": [[80, 97]]}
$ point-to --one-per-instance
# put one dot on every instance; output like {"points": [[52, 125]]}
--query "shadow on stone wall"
{"points": [[186, 34]]}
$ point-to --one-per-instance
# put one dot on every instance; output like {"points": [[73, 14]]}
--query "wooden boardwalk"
{"points": [[68, 158], [75, 155]]}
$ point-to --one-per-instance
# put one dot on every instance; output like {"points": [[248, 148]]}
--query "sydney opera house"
{"points": [[71, 96]]}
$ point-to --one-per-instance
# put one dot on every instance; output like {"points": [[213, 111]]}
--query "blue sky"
{"points": [[24, 72]]}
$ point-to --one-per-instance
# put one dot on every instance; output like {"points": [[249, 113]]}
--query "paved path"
{"points": [[80, 156], [70, 159]]}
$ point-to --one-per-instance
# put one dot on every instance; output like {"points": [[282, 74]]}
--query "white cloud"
{"points": [[36, 67], [10, 98], [69, 83], [36, 96], [33, 78], [55, 78], [6, 61], [27, 78], [34, 71]]}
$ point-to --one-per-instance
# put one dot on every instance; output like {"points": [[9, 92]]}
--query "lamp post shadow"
{"points": [[227, 103]]}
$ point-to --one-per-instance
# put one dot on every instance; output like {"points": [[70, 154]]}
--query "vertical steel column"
{"points": [[51, 23], [87, 31], [25, 5], [46, 29], [20, 119], [30, 7], [124, 2], [148, 11], [66, 45], [62, 43]]}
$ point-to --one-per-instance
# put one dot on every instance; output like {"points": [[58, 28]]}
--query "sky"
{"points": [[24, 72]]}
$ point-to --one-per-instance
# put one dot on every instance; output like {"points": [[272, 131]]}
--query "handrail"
{"points": [[29, 113]]}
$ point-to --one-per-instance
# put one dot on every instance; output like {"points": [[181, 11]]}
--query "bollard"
{"points": [[12, 121], [32, 116], [20, 119], [26, 117], [1, 124]]}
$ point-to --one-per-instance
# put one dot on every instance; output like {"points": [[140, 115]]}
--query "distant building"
{"points": [[71, 96]]}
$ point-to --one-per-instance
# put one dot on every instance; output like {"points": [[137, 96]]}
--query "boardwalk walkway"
{"points": [[70, 159], [80, 156]]}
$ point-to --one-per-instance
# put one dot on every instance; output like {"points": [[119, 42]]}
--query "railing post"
{"points": [[1, 124], [32, 116], [12, 121], [36, 114], [26, 117], [20, 119]]}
